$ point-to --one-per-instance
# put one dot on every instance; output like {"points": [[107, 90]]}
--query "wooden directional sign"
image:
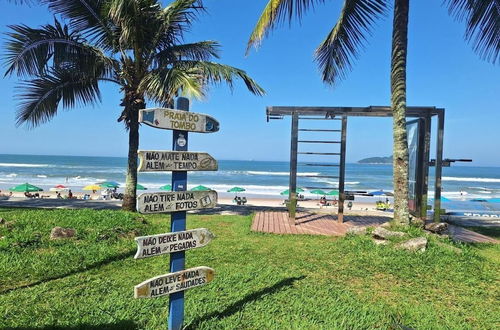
{"points": [[154, 245], [174, 282], [178, 120], [165, 202], [157, 161]]}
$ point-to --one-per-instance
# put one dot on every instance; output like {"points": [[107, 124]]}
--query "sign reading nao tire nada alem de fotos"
{"points": [[150, 246], [174, 282], [165, 202], [157, 161], [178, 120]]}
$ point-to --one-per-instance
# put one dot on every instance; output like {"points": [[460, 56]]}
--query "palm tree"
{"points": [[336, 54], [136, 44]]}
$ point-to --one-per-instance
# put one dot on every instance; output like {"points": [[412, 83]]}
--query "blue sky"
{"points": [[442, 71]]}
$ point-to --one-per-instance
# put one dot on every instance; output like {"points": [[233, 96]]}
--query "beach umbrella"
{"points": [[166, 187], [443, 199], [61, 186], [236, 189], [494, 200], [140, 187], [109, 184], [92, 187], [381, 193], [25, 187], [318, 192], [333, 193], [200, 188], [287, 192]]}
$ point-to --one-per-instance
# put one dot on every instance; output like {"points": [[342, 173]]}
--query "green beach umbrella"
{"points": [[140, 187], [236, 189], [333, 193], [25, 187], [166, 187], [318, 192], [109, 184], [200, 188], [286, 192]]}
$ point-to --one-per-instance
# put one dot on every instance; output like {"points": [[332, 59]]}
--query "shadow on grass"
{"points": [[237, 306], [108, 326], [106, 261]]}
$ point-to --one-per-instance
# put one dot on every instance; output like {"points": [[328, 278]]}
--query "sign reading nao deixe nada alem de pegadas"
{"points": [[178, 120], [165, 202], [174, 282], [158, 161], [150, 246]]}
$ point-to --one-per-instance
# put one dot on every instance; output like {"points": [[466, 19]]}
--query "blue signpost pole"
{"points": [[178, 223]]}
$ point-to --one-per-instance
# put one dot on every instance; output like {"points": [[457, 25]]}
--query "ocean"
{"points": [[260, 178]]}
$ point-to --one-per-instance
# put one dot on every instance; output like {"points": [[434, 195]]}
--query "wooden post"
{"points": [[340, 212], [292, 189], [178, 223], [439, 166]]}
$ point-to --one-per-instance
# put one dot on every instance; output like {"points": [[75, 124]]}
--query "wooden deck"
{"points": [[326, 224], [311, 223]]}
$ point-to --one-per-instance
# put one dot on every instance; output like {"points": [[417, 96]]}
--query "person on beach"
{"points": [[70, 194], [58, 195]]}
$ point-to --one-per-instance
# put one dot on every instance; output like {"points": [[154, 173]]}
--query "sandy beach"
{"points": [[226, 204]]}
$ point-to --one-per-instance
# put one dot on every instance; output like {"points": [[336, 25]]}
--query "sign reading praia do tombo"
{"points": [[174, 282], [149, 246], [174, 201], [178, 120], [157, 161]]}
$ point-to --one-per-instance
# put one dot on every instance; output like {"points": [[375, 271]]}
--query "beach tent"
{"points": [[140, 187], [200, 188], [92, 187], [166, 187], [25, 187]]}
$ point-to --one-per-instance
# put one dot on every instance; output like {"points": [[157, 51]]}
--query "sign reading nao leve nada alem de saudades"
{"points": [[165, 202], [159, 160], [178, 120], [150, 246], [174, 282]]}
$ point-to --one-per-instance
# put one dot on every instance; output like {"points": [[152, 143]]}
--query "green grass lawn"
{"points": [[263, 281]]}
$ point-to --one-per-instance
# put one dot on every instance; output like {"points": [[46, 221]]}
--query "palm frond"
{"points": [[197, 51], [41, 97], [162, 85], [335, 55], [88, 17], [277, 11], [216, 73], [482, 19], [32, 51]]}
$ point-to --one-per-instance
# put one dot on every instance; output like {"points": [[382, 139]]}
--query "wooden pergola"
{"points": [[421, 115]]}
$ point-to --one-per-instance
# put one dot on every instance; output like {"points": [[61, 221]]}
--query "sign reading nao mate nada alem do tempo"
{"points": [[164, 202], [174, 282], [178, 120], [150, 246], [157, 161]]}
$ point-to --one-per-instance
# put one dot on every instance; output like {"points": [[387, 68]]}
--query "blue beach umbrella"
{"points": [[494, 200], [380, 193]]}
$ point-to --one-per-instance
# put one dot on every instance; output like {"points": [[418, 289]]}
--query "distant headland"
{"points": [[376, 160]]}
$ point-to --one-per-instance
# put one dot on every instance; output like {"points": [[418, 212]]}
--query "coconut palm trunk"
{"points": [[398, 105], [130, 196]]}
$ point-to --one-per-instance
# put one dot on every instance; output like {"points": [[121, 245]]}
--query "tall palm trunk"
{"points": [[398, 104], [130, 196]]}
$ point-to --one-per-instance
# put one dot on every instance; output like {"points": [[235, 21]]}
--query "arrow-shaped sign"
{"points": [[178, 120], [154, 245], [158, 161], [174, 282], [165, 202]]}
